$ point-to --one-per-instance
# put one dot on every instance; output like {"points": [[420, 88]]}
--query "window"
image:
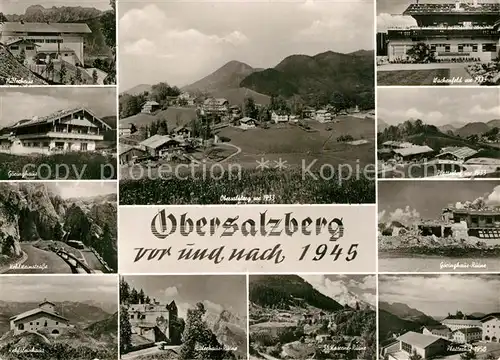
{"points": [[406, 347], [83, 146], [14, 47], [131, 316], [460, 48], [489, 48], [489, 220], [45, 324], [29, 48], [447, 48], [474, 47], [57, 322], [20, 327], [31, 323], [38, 323]]}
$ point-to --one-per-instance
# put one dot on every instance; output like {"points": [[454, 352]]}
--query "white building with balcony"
{"points": [[66, 130], [465, 30], [46, 40]]}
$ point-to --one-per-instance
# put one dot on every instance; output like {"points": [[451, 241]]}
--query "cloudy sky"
{"points": [[76, 189], [438, 295], [438, 106], [55, 288], [405, 201], [24, 103], [182, 41], [389, 11], [221, 292], [335, 286], [19, 6]]}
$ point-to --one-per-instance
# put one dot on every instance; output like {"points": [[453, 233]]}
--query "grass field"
{"points": [[297, 149], [283, 188], [69, 166], [411, 77]]}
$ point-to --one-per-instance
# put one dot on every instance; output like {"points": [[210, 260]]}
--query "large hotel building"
{"points": [[466, 30]]}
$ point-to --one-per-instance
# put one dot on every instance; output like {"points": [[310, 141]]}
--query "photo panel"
{"points": [[223, 109], [439, 226], [183, 317], [431, 316], [58, 133], [438, 43], [439, 133], [45, 42], [312, 316], [58, 227], [42, 320]]}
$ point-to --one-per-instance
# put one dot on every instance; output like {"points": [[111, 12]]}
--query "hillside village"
{"points": [[289, 319], [470, 151], [224, 123]]}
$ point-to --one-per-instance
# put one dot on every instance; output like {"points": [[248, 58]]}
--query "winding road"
{"points": [[39, 258]]}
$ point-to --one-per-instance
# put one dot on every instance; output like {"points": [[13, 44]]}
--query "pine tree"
{"points": [[125, 330]]}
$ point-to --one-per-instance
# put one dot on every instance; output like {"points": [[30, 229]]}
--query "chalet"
{"points": [[77, 129], [45, 40], [467, 335], [213, 106], [128, 154], [427, 346], [437, 330], [185, 99], [323, 116], [309, 113], [454, 153], [149, 107], [181, 131], [279, 117], [42, 318], [159, 145], [412, 153], [247, 123]]}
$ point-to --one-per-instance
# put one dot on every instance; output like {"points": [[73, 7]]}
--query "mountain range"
{"points": [[229, 328], [460, 129], [30, 212], [78, 313], [397, 318], [287, 291], [308, 77]]}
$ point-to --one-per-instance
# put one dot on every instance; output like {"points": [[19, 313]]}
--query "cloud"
{"points": [[493, 199], [171, 292], [406, 216], [362, 287], [480, 110], [418, 292], [386, 21]]}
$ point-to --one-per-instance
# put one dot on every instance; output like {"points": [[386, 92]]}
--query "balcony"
{"points": [[440, 32], [62, 135]]}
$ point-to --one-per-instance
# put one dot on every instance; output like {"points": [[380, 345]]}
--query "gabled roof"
{"points": [[46, 302], [124, 148], [44, 27], [19, 40], [247, 119], [450, 8], [435, 327], [35, 312], [419, 340], [460, 321], [56, 115], [414, 150], [459, 152], [466, 331], [156, 141]]}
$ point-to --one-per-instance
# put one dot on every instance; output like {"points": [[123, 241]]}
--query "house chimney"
{"points": [[457, 5]]}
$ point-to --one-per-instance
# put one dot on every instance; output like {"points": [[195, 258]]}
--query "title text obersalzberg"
{"points": [[163, 225]]}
